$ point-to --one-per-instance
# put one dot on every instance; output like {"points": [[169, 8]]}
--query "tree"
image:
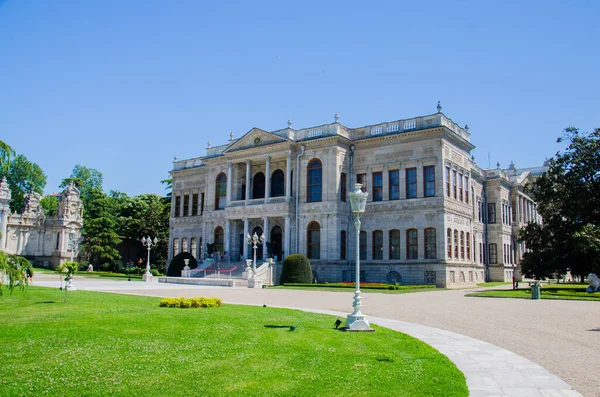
{"points": [[568, 198], [6, 154], [23, 177], [15, 268], [100, 238], [49, 204], [85, 179]]}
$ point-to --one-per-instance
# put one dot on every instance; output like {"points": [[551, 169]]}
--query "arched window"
{"points": [[277, 184], [394, 244], [193, 247], [219, 236], [430, 251], [175, 246], [363, 245], [449, 243], [377, 245], [258, 186], [314, 181], [313, 241], [455, 244], [184, 245], [343, 245], [221, 191], [412, 244], [462, 245]]}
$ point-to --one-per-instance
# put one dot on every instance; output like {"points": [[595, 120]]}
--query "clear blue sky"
{"points": [[123, 86]]}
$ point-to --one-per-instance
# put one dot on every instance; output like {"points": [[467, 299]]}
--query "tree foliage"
{"points": [[296, 269], [6, 155], [49, 204], [23, 177], [568, 198], [85, 179], [100, 238], [15, 268]]}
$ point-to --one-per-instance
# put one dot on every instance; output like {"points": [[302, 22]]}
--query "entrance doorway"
{"points": [[276, 241]]}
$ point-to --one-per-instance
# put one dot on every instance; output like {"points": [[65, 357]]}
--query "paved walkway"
{"points": [[474, 333]]}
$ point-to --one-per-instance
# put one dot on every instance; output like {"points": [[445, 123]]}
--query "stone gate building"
{"points": [[432, 217]]}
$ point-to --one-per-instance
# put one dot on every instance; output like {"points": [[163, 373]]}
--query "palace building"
{"points": [[432, 216]]}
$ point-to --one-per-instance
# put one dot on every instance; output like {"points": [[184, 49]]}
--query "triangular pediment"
{"points": [[255, 138]]}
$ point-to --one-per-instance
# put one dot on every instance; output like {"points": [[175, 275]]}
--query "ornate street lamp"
{"points": [[148, 243], [254, 240], [358, 202]]}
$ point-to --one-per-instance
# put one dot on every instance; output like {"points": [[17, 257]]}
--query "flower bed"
{"points": [[185, 303]]}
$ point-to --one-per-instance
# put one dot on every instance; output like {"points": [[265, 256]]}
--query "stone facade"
{"points": [[29, 233], [426, 220]]}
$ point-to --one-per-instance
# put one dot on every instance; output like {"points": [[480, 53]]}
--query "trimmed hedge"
{"points": [[184, 303], [390, 287], [296, 269]]}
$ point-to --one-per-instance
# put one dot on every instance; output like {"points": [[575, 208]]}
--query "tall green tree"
{"points": [[23, 177], [6, 155], [100, 238], [568, 198]]}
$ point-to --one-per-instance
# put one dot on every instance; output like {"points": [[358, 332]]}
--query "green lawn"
{"points": [[108, 344], [552, 291]]}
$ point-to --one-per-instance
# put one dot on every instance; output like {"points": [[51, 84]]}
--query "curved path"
{"points": [[560, 336]]}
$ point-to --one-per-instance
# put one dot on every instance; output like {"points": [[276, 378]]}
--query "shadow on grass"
{"points": [[44, 302]]}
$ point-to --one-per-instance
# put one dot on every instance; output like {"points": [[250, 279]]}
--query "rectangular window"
{"points": [[363, 245], [343, 250], [468, 246], [394, 185], [510, 248], [491, 212], [448, 181], [429, 181], [362, 179], [454, 184], [504, 249], [394, 244], [411, 183], [202, 204], [466, 189], [462, 245], [493, 250], [186, 205], [177, 206], [377, 186], [480, 253], [412, 244], [57, 241], [460, 187], [456, 244], [430, 250], [479, 211], [377, 245], [343, 187], [195, 204]]}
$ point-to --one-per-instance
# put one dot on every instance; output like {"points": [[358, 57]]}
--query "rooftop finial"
{"points": [[174, 158], [289, 123], [336, 117], [498, 165], [511, 166], [439, 107], [231, 136], [208, 145], [472, 157], [467, 127]]}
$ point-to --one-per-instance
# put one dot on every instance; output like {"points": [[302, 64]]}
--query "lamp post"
{"points": [[356, 321], [254, 240], [148, 243]]}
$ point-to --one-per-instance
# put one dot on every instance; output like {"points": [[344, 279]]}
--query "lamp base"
{"points": [[357, 323], [147, 277]]}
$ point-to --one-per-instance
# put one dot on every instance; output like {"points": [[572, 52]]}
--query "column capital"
{"points": [[229, 164], [248, 162], [268, 157]]}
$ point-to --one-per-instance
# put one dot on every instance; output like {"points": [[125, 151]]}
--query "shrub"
{"points": [[184, 303], [296, 269]]}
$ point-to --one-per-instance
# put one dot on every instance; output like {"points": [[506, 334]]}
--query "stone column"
{"points": [[267, 236], [248, 165], [385, 176], [286, 236], [268, 179], [288, 177], [190, 196], [203, 240], [227, 236], [181, 206], [4, 227], [246, 230], [229, 184], [420, 180]]}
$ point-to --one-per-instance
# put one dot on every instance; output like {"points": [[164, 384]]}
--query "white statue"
{"points": [[594, 283]]}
